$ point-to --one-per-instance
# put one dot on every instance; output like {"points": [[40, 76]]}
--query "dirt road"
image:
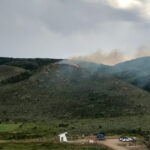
{"points": [[115, 144], [112, 143]]}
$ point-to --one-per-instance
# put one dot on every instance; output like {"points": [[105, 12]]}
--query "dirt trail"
{"points": [[115, 144]]}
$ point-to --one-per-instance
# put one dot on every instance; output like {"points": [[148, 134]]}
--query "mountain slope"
{"points": [[9, 71], [136, 71], [27, 63], [67, 91]]}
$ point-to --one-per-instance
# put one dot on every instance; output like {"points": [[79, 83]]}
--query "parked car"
{"points": [[125, 139]]}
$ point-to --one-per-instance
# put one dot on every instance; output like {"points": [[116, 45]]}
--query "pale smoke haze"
{"points": [[142, 51], [113, 57], [100, 57]]}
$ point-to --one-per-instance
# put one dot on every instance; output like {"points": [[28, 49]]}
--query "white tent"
{"points": [[63, 137]]}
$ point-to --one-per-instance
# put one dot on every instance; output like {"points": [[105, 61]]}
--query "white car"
{"points": [[125, 139]]}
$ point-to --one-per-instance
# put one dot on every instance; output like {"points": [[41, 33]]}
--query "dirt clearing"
{"points": [[115, 144]]}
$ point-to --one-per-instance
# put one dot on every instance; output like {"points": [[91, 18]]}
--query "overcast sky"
{"points": [[66, 28]]}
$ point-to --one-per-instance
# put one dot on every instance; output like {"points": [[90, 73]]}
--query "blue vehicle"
{"points": [[100, 136]]}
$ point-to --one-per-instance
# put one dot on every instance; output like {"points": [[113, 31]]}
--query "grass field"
{"points": [[50, 146], [44, 135], [135, 125]]}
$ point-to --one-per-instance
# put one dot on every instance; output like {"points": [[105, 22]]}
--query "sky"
{"points": [[70, 28]]}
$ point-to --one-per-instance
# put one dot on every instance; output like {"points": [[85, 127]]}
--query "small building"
{"points": [[63, 137]]}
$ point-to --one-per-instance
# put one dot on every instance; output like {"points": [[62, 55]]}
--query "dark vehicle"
{"points": [[100, 136]]}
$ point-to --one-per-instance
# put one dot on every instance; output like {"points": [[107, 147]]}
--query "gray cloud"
{"points": [[75, 16], [63, 28], [66, 16]]}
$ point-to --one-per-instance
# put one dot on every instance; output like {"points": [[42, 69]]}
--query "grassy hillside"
{"points": [[133, 125], [27, 63], [67, 91], [136, 72], [9, 71]]}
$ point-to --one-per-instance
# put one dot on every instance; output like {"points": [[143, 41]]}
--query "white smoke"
{"points": [[113, 57]]}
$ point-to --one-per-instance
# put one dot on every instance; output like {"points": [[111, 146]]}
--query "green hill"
{"points": [[136, 72], [69, 91], [27, 63], [9, 71]]}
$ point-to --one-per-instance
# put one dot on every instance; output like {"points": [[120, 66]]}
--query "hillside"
{"points": [[136, 72], [9, 71], [69, 91], [27, 63]]}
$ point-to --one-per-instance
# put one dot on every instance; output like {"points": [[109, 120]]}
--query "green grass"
{"points": [[50, 146], [43, 135], [135, 125], [9, 127]]}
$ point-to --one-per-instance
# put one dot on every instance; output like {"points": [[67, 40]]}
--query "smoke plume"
{"points": [[142, 51], [113, 57]]}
